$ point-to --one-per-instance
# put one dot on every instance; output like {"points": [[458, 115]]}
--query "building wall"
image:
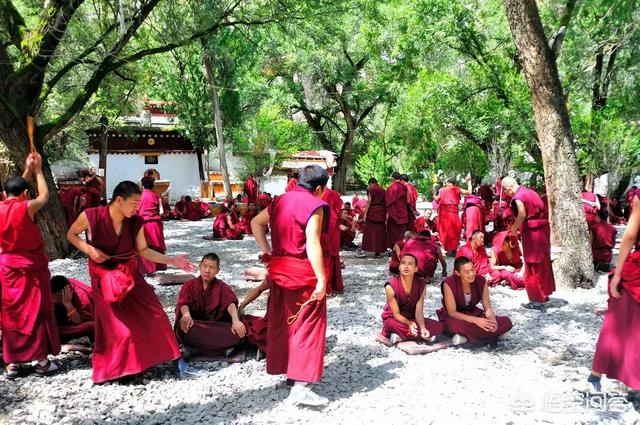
{"points": [[181, 169], [236, 164]]}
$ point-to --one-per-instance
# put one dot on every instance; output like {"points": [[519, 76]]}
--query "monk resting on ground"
{"points": [[461, 292], [403, 316], [394, 261], [73, 305], [207, 319]]}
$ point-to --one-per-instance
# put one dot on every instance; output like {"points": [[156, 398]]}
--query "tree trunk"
{"points": [[574, 268], [340, 178], [217, 116], [51, 219]]}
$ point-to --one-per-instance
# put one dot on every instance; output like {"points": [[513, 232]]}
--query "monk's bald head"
{"points": [[510, 185]]}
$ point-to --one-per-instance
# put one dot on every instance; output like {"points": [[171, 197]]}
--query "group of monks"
{"points": [[122, 316], [88, 194]]}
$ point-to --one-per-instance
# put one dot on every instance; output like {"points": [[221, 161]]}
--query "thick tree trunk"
{"points": [[217, 115], [51, 219], [340, 178], [574, 268]]}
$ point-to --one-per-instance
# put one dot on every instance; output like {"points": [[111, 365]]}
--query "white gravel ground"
{"points": [[527, 379]]}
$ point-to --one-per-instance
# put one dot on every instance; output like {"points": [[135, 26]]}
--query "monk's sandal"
{"points": [[49, 368], [303, 396], [12, 371]]}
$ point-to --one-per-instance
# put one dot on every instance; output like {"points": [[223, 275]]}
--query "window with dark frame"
{"points": [[151, 159]]}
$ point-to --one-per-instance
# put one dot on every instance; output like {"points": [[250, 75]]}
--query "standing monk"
{"points": [[473, 215], [132, 331], [413, 202], [618, 349], [331, 243], [149, 212], [397, 203], [28, 320], [529, 210], [602, 236], [251, 189], [591, 206], [449, 224], [374, 236], [297, 310]]}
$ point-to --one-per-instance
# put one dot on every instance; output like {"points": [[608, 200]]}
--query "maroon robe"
{"points": [[93, 191], [394, 261], [483, 267], [69, 198], [167, 214], [222, 230], [149, 212], [424, 223], [397, 212], [331, 242], [473, 332], [590, 211], [203, 208], [192, 211], [449, 224], [251, 189], [134, 334], [211, 332], [473, 215], [412, 205], [28, 321], [374, 236], [291, 184], [245, 221], [347, 236], [604, 240], [179, 211], [426, 252], [296, 349], [407, 305], [536, 244], [512, 258], [486, 194], [82, 301]]}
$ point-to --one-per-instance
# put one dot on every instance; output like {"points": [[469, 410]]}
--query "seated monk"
{"points": [[506, 254], [167, 214], [428, 252], [73, 305], [245, 220], [494, 275], [602, 236], [424, 222], [394, 261], [191, 210], [179, 211], [223, 226], [347, 228], [403, 314], [202, 207], [461, 292], [207, 320]]}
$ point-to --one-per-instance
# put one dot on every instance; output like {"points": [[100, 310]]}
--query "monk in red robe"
{"points": [[297, 311], [602, 236], [529, 210], [618, 349], [374, 236], [251, 189], [394, 260], [149, 212], [424, 222], [256, 326], [331, 243], [347, 228], [132, 331], [94, 187], [192, 211], [449, 224], [70, 200], [472, 215], [506, 254], [179, 209], [291, 183], [167, 214], [494, 275], [591, 206], [428, 253], [412, 205], [202, 207], [27, 315], [223, 226], [461, 292], [397, 203], [403, 314], [207, 318], [485, 192], [245, 220], [73, 304]]}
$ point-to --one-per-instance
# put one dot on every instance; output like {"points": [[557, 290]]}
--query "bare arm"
{"points": [[237, 327], [420, 309], [486, 303], [35, 205], [443, 261], [180, 261], [366, 208], [522, 215], [80, 226], [395, 309], [626, 245], [254, 294], [259, 229], [314, 252]]}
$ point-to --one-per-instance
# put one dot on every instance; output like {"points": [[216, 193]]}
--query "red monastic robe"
{"points": [[222, 230], [483, 267], [167, 214], [82, 301], [203, 208], [28, 321], [512, 258], [473, 215], [245, 221], [293, 182], [394, 260], [449, 224], [426, 252], [192, 211], [412, 205], [211, 332], [149, 212], [486, 194], [331, 242], [179, 211], [374, 236], [251, 189], [407, 304], [474, 333], [296, 349], [536, 244], [397, 212], [134, 334], [93, 191], [69, 200], [604, 240], [347, 236], [590, 211]]}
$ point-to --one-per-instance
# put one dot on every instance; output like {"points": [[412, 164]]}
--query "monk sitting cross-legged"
{"points": [[73, 307], [207, 319], [403, 316], [460, 315], [223, 226]]}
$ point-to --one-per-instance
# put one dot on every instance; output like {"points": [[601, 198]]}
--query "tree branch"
{"points": [[367, 111], [556, 44], [12, 22], [319, 114]]}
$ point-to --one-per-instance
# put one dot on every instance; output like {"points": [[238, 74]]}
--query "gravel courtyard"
{"points": [[527, 379]]}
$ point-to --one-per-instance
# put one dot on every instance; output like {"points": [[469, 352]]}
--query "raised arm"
{"points": [[34, 161]]}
